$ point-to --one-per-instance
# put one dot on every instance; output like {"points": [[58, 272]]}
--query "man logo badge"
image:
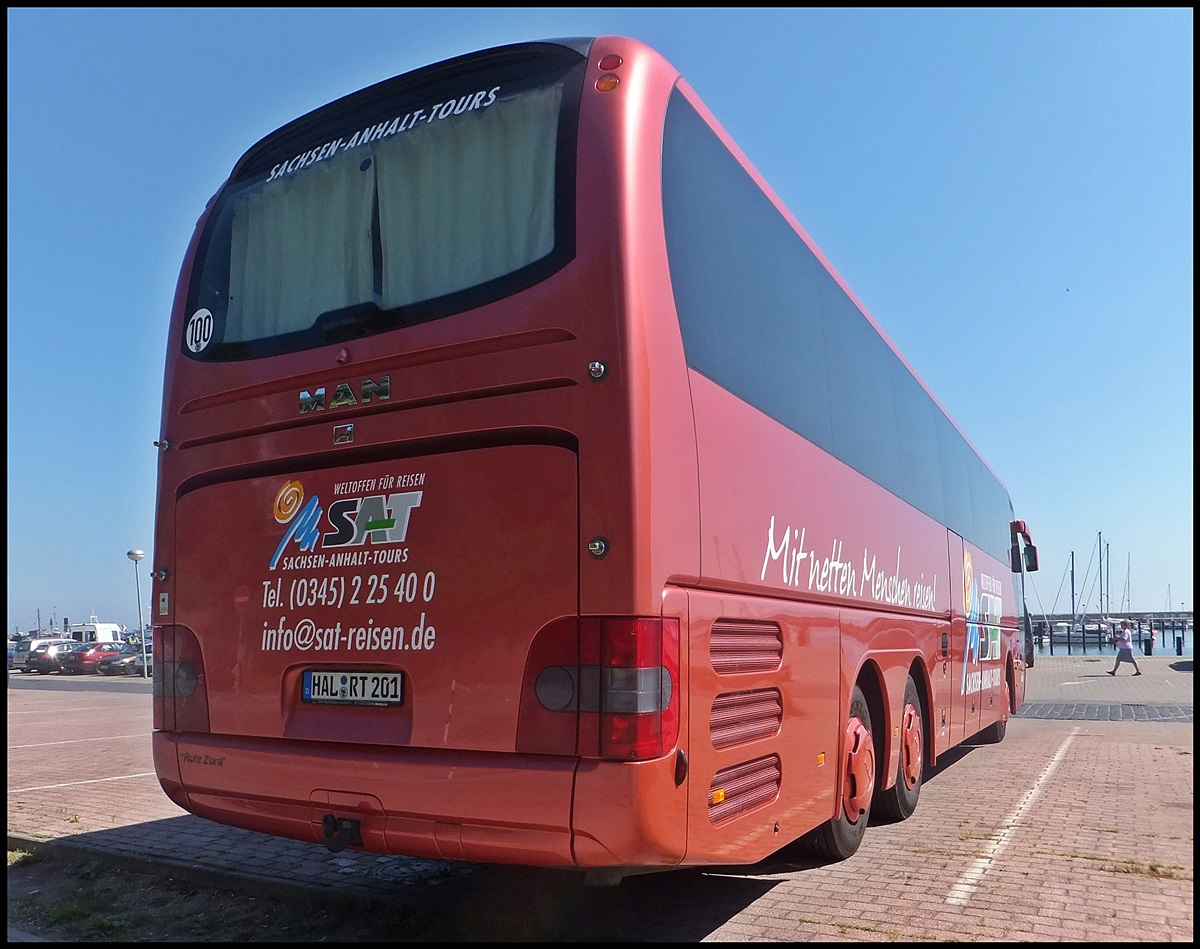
{"points": [[343, 395], [343, 434]]}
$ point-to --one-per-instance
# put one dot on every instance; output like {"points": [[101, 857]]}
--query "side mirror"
{"points": [[1030, 561]]}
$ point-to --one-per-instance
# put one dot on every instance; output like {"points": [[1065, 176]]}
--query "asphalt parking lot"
{"points": [[1078, 828]]}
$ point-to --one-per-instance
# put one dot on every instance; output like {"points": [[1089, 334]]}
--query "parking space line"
{"points": [[962, 891], [73, 741], [57, 706], [74, 784]]}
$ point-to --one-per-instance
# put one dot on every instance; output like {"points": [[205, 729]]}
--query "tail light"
{"points": [[180, 693], [602, 687]]}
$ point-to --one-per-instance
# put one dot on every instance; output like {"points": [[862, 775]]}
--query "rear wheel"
{"points": [[899, 801], [839, 838]]}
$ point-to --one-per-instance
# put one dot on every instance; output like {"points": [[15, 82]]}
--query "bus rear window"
{"points": [[392, 207]]}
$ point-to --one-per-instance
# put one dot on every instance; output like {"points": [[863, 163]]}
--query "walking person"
{"points": [[1125, 649]]}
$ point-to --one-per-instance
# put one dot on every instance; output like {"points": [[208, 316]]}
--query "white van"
{"points": [[94, 631]]}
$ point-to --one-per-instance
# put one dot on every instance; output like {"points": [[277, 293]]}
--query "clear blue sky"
{"points": [[1008, 191]]}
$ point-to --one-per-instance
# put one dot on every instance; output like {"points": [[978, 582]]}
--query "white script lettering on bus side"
{"points": [[782, 551], [825, 575], [304, 635], [897, 590], [386, 128], [836, 575]]}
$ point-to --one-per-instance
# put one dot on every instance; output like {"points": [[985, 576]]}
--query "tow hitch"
{"points": [[340, 833]]}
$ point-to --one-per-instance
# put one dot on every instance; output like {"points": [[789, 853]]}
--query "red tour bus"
{"points": [[533, 491]]}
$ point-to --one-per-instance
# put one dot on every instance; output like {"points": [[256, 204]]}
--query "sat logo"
{"points": [[379, 518]]}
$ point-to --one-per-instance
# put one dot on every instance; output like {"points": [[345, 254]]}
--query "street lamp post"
{"points": [[135, 555]]}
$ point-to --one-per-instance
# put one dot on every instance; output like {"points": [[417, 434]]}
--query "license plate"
{"points": [[352, 688]]}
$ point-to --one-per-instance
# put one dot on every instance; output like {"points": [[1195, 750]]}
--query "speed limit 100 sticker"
{"points": [[199, 330]]}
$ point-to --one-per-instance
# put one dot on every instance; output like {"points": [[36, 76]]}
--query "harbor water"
{"points": [[1177, 641]]}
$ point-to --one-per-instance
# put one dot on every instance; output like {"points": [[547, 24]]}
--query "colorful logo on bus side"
{"points": [[355, 521], [983, 603]]}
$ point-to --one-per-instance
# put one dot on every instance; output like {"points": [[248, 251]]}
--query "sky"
{"points": [[1007, 191]]}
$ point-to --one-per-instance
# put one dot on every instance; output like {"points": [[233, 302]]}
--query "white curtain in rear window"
{"points": [[461, 201], [301, 246], [469, 198]]}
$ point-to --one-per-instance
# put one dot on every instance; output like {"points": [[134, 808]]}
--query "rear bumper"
{"points": [[452, 806], [473, 806]]}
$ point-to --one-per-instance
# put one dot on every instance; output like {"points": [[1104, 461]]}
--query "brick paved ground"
{"points": [[1079, 688], [1012, 842]]}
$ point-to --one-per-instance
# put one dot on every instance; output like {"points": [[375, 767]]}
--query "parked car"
{"points": [[26, 647], [135, 667], [47, 657], [118, 663], [87, 658], [19, 651]]}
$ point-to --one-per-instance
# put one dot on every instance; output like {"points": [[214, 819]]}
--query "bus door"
{"points": [[944, 678], [965, 667]]}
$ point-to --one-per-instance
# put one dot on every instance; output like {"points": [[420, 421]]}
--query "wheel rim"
{"points": [[911, 752], [860, 769]]}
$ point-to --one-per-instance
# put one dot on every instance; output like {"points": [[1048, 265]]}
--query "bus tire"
{"points": [[899, 801], [839, 838], [995, 732]]}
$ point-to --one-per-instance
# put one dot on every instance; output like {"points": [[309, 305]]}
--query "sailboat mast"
{"points": [[1073, 588], [1128, 595], [1108, 580]]}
